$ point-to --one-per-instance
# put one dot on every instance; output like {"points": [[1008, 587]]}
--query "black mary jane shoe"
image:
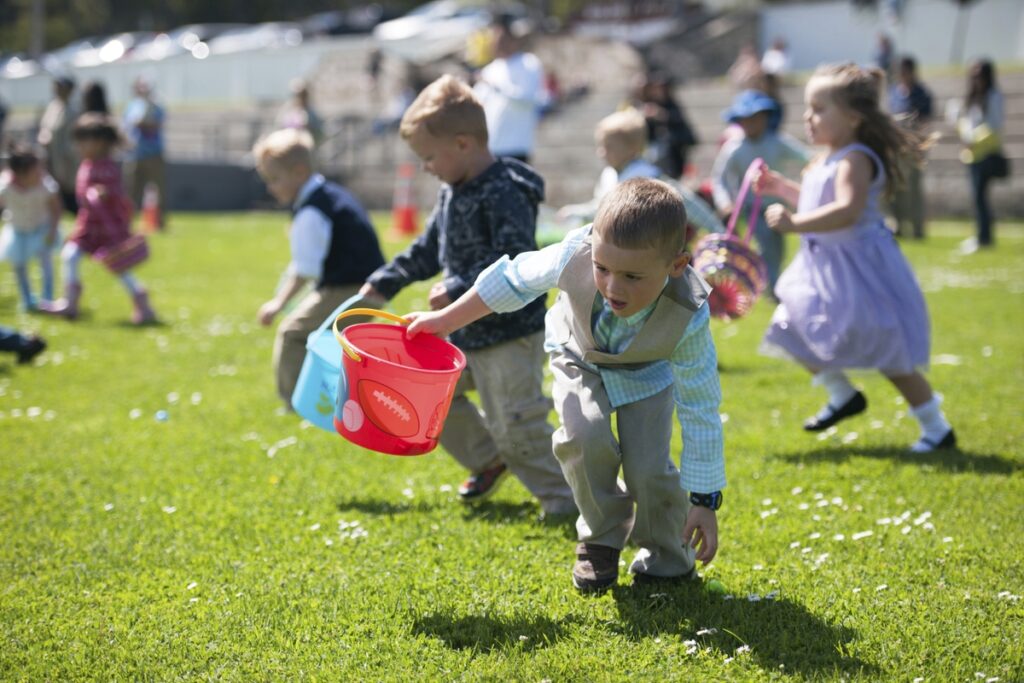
{"points": [[856, 405]]}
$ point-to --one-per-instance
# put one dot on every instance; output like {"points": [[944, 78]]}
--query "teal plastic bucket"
{"points": [[316, 392]]}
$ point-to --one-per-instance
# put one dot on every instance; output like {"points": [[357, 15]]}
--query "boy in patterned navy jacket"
{"points": [[486, 208]]}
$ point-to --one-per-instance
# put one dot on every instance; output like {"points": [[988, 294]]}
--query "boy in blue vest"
{"points": [[332, 244], [486, 208], [628, 334]]}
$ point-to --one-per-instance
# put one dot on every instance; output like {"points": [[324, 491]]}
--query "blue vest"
{"points": [[353, 252]]}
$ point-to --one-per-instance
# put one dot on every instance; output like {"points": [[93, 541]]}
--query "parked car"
{"points": [[58, 61], [271, 34], [192, 38], [438, 29], [359, 19], [111, 49], [17, 65]]}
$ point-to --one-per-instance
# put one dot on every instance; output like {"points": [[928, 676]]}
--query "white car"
{"points": [[271, 34], [436, 29]]}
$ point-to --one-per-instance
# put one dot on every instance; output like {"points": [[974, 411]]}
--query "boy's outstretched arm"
{"points": [[467, 309]]}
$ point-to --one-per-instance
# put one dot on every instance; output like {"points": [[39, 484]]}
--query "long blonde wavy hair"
{"points": [[859, 91]]}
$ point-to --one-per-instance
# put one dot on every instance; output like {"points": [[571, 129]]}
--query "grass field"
{"points": [[228, 542]]}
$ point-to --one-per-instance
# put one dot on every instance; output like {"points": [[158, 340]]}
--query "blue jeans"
{"points": [[981, 176]]}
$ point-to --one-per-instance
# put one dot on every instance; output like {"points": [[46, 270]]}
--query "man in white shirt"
{"points": [[511, 89]]}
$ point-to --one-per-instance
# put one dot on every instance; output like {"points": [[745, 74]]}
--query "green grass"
{"points": [[135, 549]]}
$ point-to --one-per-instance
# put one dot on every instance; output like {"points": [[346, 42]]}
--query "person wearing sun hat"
{"points": [[753, 112]]}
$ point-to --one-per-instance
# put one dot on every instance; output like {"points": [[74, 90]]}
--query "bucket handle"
{"points": [[755, 208], [373, 313]]}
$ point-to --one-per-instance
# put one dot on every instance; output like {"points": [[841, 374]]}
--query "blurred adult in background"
{"points": [[883, 54], [745, 73], [980, 125], [55, 137], [144, 161], [510, 89], [668, 132], [298, 112], [94, 98], [911, 103], [775, 59]]}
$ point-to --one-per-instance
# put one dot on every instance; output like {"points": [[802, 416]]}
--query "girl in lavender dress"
{"points": [[849, 298]]}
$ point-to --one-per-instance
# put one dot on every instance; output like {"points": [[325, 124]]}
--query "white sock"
{"points": [[838, 386], [933, 423]]}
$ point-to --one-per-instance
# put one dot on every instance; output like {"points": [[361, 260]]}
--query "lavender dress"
{"points": [[849, 298]]}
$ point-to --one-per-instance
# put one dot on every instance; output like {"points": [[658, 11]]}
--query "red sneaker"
{"points": [[483, 485]]}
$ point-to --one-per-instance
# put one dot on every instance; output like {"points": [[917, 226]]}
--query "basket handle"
{"points": [[373, 313], [748, 180]]}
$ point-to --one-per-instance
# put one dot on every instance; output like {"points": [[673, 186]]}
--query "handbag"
{"points": [[127, 253], [124, 255], [999, 165], [727, 262]]}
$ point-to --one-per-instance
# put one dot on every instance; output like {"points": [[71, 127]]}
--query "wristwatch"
{"points": [[712, 500]]}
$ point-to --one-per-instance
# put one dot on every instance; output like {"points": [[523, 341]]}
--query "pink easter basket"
{"points": [[126, 254], [734, 269]]}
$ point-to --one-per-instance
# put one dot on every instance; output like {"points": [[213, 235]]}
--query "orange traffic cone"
{"points": [[404, 219], [151, 209]]}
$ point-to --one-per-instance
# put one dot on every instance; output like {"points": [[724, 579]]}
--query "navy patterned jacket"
{"points": [[471, 227]]}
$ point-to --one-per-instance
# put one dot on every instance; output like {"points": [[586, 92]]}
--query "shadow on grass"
{"points": [[779, 632], [486, 634], [372, 506], [950, 460]]}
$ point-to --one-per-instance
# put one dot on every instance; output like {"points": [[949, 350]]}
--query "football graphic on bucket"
{"points": [[389, 410]]}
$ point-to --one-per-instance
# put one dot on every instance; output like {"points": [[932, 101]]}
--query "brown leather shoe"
{"points": [[596, 568]]}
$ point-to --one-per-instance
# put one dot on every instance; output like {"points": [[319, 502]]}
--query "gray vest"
{"points": [[570, 320]]}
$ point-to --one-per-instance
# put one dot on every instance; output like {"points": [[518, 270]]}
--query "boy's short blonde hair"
{"points": [[627, 126], [446, 108], [285, 149], [643, 213]]}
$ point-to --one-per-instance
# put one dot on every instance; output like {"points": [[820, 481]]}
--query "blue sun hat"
{"points": [[748, 103]]}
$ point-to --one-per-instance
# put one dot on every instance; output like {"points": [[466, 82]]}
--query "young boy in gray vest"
{"points": [[486, 207], [628, 334], [332, 244]]}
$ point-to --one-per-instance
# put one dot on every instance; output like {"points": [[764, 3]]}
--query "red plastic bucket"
{"points": [[397, 390]]}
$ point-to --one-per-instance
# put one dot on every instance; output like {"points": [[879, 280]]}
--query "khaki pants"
{"points": [[290, 342], [148, 170], [513, 426], [908, 202], [590, 458]]}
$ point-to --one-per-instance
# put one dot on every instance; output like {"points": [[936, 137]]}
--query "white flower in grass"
{"points": [[108, 507], [839, 537], [525, 638], [804, 506], [883, 521], [882, 587], [807, 550], [992, 679], [797, 490], [753, 597], [727, 660], [928, 526], [850, 437], [191, 586], [407, 493], [707, 631], [169, 509], [877, 424], [766, 501], [758, 567], [196, 398], [328, 541], [906, 530], [794, 544], [315, 527], [191, 600], [173, 397], [742, 649], [822, 504], [283, 443], [986, 351], [724, 417], [856, 590], [919, 679], [837, 501], [947, 539], [862, 534], [922, 518], [49, 415], [772, 595], [814, 536], [445, 488]]}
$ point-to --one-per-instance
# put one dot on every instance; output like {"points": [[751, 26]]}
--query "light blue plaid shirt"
{"points": [[509, 284]]}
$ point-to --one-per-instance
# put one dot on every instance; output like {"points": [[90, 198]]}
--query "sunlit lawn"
{"points": [[229, 542]]}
